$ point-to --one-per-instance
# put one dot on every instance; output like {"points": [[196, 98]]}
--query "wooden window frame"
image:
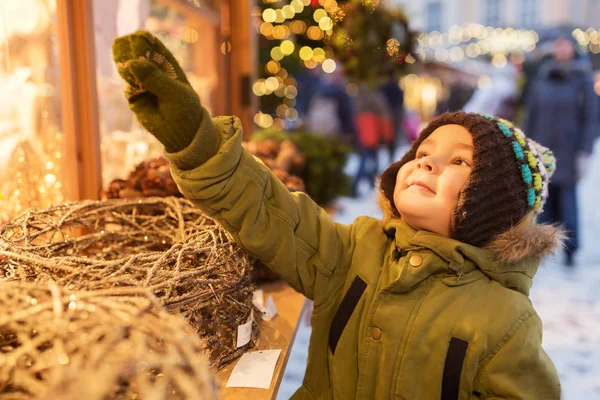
{"points": [[77, 63]]}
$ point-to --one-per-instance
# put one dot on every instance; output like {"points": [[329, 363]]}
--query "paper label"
{"points": [[254, 369], [244, 333], [258, 302], [271, 309]]}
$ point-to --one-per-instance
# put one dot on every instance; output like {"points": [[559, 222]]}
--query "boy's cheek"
{"points": [[400, 179], [403, 172]]}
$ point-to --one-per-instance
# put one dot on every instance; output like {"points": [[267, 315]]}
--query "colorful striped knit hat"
{"points": [[509, 178]]}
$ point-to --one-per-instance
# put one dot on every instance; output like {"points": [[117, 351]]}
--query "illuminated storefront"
{"points": [[65, 127]]}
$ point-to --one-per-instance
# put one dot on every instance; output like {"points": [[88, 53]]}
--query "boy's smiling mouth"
{"points": [[420, 185]]}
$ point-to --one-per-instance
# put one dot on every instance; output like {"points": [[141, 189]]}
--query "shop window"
{"points": [[194, 40], [32, 145]]}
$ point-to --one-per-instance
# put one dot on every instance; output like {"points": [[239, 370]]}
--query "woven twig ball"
{"points": [[188, 261], [62, 344]]}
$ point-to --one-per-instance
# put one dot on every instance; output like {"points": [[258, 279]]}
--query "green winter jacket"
{"points": [[398, 313]]}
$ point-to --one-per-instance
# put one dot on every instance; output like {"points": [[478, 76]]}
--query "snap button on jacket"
{"points": [[416, 261], [376, 333]]}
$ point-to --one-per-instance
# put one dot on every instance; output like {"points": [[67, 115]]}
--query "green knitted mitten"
{"points": [[157, 90]]}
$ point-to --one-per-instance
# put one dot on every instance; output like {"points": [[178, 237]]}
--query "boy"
{"points": [[431, 302]]}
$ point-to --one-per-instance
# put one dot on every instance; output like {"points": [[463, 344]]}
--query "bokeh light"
{"points": [[329, 66], [306, 53], [266, 29], [287, 47], [269, 15], [315, 33]]}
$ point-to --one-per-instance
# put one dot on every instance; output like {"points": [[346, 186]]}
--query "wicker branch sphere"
{"points": [[61, 344], [166, 245]]}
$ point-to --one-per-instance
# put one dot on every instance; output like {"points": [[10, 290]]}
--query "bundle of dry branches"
{"points": [[150, 178], [61, 344], [166, 245]]}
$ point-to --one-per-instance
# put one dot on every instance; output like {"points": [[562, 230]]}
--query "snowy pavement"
{"points": [[567, 299]]}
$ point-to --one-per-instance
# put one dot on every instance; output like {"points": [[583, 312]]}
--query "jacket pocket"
{"points": [[455, 359], [344, 311]]}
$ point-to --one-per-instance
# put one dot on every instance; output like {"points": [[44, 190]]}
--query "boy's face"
{"points": [[426, 191]]}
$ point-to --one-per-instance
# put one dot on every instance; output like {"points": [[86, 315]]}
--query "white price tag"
{"points": [[271, 309], [254, 369], [244, 333]]}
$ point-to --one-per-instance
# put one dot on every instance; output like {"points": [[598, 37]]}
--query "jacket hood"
{"points": [[511, 258]]}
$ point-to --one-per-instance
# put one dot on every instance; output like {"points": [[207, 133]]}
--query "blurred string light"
{"points": [[471, 40], [588, 40], [277, 23]]}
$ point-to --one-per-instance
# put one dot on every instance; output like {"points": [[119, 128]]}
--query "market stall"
{"points": [[66, 134], [144, 267], [276, 334], [65, 127]]}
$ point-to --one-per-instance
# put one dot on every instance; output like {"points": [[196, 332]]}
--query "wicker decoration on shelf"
{"points": [[61, 344], [323, 161], [283, 158], [153, 178], [149, 179], [167, 245]]}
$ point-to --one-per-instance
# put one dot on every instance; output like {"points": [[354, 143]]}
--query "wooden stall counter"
{"points": [[279, 333]]}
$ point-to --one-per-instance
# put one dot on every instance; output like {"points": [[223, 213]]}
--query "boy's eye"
{"points": [[421, 154], [461, 161]]}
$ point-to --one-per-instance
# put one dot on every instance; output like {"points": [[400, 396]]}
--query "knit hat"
{"points": [[509, 178]]}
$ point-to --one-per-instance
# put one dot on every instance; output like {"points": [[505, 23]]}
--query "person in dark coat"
{"points": [[373, 121], [562, 113], [395, 98], [330, 111]]}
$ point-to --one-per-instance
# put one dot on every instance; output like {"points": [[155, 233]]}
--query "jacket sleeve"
{"points": [[287, 231], [589, 104], [519, 368]]}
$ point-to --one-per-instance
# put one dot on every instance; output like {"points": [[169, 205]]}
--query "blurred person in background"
{"points": [[330, 109], [541, 55], [561, 113], [499, 97], [373, 121], [460, 92], [308, 82], [395, 99]]}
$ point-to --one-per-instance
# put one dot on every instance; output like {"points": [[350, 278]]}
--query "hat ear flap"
{"points": [[549, 161], [544, 156], [546, 164]]}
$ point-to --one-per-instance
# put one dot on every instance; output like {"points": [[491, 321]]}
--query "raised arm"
{"points": [[287, 231]]}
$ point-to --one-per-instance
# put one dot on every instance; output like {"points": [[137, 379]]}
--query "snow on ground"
{"points": [[567, 299]]}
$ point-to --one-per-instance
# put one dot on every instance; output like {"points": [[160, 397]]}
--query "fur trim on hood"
{"points": [[527, 240]]}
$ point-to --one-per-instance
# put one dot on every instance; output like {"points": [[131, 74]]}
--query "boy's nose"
{"points": [[426, 164]]}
